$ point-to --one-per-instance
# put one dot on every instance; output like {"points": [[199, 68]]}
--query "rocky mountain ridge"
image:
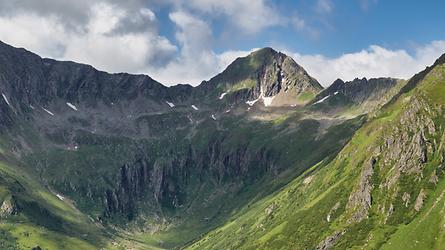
{"points": [[166, 163], [362, 94]]}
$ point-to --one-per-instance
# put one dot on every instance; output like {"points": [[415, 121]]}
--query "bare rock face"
{"points": [[419, 201], [270, 209], [333, 209], [407, 148], [406, 199], [162, 181], [144, 180], [434, 178], [330, 241], [360, 200], [8, 207]]}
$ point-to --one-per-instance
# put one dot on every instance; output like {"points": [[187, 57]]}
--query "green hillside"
{"points": [[384, 190]]}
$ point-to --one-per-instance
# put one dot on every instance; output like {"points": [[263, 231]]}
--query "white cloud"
{"points": [[32, 32], [104, 18], [97, 44], [324, 6], [249, 15], [196, 61], [365, 4], [184, 71], [375, 61], [192, 33], [300, 25]]}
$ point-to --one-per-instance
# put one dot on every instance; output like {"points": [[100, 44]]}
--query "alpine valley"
{"points": [[260, 156]]}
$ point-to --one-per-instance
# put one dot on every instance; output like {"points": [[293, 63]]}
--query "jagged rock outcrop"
{"points": [[419, 200], [330, 241], [434, 178], [361, 200], [9, 207], [333, 209], [406, 199], [164, 180], [406, 149], [241, 161], [361, 90], [366, 95]]}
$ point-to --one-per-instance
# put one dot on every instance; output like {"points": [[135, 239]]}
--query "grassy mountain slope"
{"points": [[202, 194], [385, 189], [34, 215]]}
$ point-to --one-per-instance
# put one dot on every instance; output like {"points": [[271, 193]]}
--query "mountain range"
{"points": [[260, 156]]}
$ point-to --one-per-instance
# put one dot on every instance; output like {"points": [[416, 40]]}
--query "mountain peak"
{"points": [[264, 52], [266, 73]]}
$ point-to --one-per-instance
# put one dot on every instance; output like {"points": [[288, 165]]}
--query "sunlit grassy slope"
{"points": [[42, 219], [296, 217]]}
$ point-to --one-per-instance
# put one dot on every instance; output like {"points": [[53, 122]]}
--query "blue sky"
{"points": [[344, 27], [187, 41]]}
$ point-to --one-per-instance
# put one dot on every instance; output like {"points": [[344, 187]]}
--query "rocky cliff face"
{"points": [[164, 180], [9, 207]]}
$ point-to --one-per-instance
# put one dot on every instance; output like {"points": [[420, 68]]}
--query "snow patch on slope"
{"points": [[170, 104], [213, 117], [60, 197], [222, 95], [268, 101], [194, 107], [47, 111], [251, 103], [6, 100], [72, 106], [323, 99]]}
